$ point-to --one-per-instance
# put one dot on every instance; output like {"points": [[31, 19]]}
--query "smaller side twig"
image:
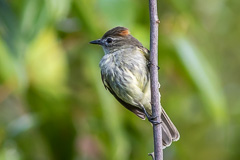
{"points": [[152, 155]]}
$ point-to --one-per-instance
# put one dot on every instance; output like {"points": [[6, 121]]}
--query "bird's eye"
{"points": [[109, 40]]}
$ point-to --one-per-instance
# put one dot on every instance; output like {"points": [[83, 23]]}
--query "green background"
{"points": [[53, 105]]}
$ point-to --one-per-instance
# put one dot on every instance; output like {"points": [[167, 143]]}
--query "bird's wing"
{"points": [[130, 107]]}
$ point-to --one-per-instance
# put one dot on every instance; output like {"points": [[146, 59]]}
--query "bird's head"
{"points": [[115, 39]]}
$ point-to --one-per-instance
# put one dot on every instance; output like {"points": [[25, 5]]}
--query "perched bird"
{"points": [[125, 74]]}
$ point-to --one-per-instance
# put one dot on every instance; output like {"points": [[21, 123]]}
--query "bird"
{"points": [[125, 74]]}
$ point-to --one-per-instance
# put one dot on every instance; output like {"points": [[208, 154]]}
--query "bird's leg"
{"points": [[150, 63], [152, 155], [150, 118]]}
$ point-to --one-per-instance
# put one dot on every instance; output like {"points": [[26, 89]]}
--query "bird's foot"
{"points": [[150, 63], [153, 119]]}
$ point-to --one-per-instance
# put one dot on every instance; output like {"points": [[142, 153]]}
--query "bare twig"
{"points": [[155, 95], [152, 155]]}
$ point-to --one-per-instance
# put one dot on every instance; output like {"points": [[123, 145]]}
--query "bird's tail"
{"points": [[169, 131]]}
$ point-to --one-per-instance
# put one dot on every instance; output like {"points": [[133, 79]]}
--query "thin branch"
{"points": [[155, 95]]}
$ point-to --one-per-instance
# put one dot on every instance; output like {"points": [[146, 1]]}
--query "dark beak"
{"points": [[98, 41]]}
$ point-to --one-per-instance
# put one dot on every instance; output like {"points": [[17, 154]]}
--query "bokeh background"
{"points": [[53, 105]]}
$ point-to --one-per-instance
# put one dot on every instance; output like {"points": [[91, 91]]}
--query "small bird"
{"points": [[125, 74]]}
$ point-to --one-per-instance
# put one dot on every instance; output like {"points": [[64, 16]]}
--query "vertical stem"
{"points": [[155, 95]]}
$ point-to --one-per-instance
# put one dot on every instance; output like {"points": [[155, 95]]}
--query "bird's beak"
{"points": [[98, 41]]}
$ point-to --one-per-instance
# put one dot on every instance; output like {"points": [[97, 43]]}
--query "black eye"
{"points": [[109, 40]]}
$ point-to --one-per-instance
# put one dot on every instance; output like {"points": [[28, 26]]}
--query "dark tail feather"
{"points": [[169, 131]]}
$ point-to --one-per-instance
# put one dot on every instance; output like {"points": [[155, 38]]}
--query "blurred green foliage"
{"points": [[53, 105]]}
